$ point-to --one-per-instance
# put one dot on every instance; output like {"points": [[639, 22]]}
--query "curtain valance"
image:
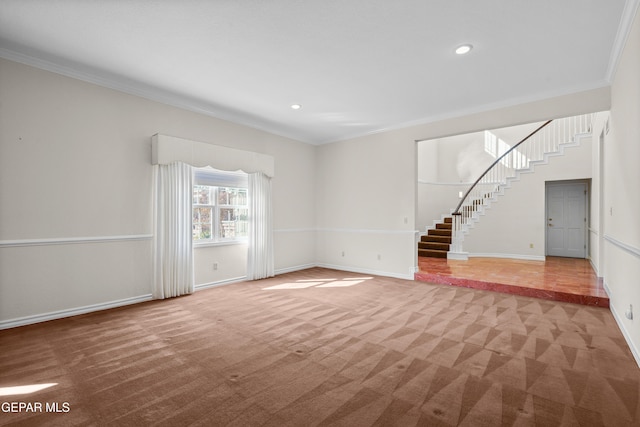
{"points": [[169, 149]]}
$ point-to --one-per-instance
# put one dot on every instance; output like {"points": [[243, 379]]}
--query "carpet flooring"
{"points": [[322, 348]]}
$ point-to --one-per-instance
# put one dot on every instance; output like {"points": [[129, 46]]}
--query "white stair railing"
{"points": [[534, 148]]}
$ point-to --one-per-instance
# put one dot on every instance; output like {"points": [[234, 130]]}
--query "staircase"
{"points": [[436, 242], [444, 239]]}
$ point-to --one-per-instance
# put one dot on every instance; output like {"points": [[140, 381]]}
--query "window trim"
{"points": [[239, 241]]}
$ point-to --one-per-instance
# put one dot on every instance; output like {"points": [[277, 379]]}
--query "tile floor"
{"points": [[558, 279]]}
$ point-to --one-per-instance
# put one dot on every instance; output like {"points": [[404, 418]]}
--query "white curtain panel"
{"points": [[172, 239], [260, 255]]}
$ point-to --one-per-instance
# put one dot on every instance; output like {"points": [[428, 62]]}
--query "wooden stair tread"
{"points": [[432, 253], [434, 245], [439, 232], [438, 239]]}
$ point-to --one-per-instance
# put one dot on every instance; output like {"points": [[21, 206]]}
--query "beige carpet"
{"points": [[323, 347]]}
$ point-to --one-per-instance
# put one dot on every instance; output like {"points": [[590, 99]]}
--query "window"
{"points": [[220, 209], [496, 147]]}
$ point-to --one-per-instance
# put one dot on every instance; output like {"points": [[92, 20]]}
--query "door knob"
{"points": [[550, 225]]}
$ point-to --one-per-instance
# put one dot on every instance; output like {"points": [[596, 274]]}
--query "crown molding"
{"points": [[626, 22], [143, 91]]}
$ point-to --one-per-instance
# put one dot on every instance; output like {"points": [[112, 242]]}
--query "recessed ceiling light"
{"points": [[465, 48], [296, 106]]}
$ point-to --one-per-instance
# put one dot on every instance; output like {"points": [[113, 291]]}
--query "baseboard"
{"points": [[595, 269], [508, 256], [606, 288], [294, 268], [244, 278], [460, 256], [623, 329], [408, 276], [219, 283], [29, 320]]}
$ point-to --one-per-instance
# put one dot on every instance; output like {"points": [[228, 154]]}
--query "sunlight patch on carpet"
{"points": [[321, 283], [341, 284], [295, 285], [24, 389]]}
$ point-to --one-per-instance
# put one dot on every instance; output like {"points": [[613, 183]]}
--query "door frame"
{"points": [[587, 203]]}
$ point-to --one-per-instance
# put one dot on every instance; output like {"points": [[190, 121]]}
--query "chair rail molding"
{"points": [[74, 240], [628, 248]]}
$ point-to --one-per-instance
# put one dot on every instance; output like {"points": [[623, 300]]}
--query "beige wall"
{"points": [[75, 164], [621, 198], [366, 205], [368, 185]]}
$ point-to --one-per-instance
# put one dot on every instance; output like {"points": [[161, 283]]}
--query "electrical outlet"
{"points": [[379, 257], [629, 313], [215, 266], [531, 245], [342, 253]]}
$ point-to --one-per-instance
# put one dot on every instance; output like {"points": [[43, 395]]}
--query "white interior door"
{"points": [[566, 219]]}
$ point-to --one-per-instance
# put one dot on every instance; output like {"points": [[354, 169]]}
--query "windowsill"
{"points": [[220, 243]]}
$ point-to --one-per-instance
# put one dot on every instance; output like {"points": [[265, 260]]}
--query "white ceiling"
{"points": [[356, 66]]}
